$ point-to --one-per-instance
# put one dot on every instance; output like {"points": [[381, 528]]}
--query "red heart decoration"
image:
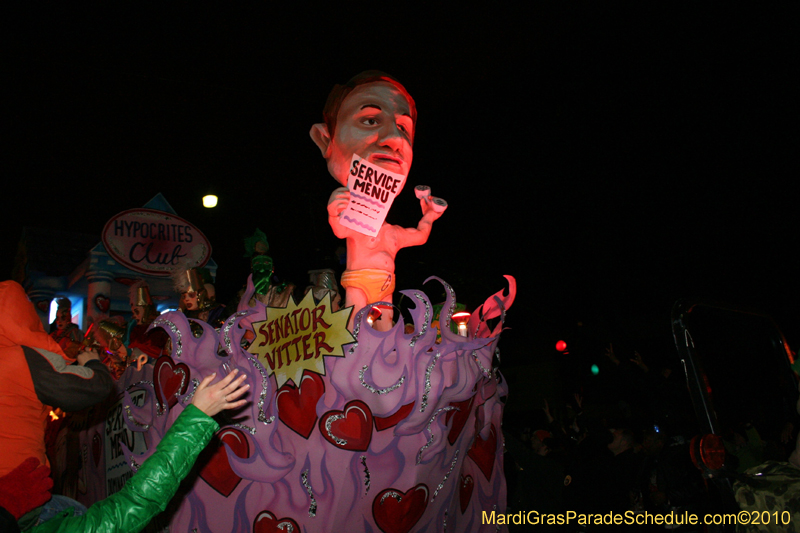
{"points": [[483, 452], [465, 491], [393, 420], [171, 380], [97, 449], [215, 469], [297, 406], [102, 303], [43, 305], [459, 416], [396, 512], [266, 522], [350, 429]]}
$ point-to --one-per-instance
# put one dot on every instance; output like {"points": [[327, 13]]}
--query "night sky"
{"points": [[612, 158]]}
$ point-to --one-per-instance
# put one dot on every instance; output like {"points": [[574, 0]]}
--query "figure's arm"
{"points": [[70, 387], [337, 203], [416, 236], [149, 491]]}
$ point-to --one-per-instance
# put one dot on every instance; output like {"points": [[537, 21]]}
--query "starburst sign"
{"points": [[298, 337]]}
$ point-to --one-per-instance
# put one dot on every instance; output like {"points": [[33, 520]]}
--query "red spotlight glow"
{"points": [[561, 346]]}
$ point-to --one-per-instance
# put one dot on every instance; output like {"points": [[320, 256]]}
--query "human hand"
{"points": [[338, 201], [610, 354], [211, 399], [547, 413], [25, 488], [637, 360], [578, 401], [87, 355]]}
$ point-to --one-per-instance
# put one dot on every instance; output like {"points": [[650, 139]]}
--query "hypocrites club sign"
{"points": [[154, 242]]}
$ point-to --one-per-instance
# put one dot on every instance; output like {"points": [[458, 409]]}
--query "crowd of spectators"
{"points": [[623, 449]]}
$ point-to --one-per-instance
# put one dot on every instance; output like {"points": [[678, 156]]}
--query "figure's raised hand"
{"points": [[211, 399], [432, 207], [338, 201]]}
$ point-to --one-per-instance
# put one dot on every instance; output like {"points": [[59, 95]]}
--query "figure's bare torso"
{"points": [[377, 252]]}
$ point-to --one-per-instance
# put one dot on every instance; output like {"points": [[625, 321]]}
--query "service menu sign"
{"points": [[372, 192], [154, 242]]}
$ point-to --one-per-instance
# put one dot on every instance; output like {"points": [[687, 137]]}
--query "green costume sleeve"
{"points": [[149, 491]]}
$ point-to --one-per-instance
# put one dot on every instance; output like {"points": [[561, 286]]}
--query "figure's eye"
{"points": [[370, 121]]}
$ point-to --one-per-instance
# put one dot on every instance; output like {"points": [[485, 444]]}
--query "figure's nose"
{"points": [[391, 136]]}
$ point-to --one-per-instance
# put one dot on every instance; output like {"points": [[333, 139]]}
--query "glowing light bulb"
{"points": [[209, 201]]}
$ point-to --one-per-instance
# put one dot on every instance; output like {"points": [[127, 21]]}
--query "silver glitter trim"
{"points": [[188, 396], [143, 382], [178, 347], [226, 330], [425, 321], [372, 389], [366, 473], [393, 494], [424, 403], [444, 522], [135, 422], [328, 422], [428, 428], [356, 328], [486, 372], [447, 475], [449, 313], [286, 526], [134, 465], [312, 508], [262, 416], [248, 429]]}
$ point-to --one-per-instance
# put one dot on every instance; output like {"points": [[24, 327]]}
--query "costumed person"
{"points": [[324, 282], [143, 346], [36, 377], [149, 491], [268, 293], [65, 333], [371, 116], [195, 301]]}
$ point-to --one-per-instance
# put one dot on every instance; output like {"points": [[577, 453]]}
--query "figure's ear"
{"points": [[321, 137]]}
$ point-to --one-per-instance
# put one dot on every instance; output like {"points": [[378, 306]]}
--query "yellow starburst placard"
{"points": [[298, 337]]}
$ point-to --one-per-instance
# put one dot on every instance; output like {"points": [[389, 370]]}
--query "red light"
{"points": [[461, 317], [712, 451], [561, 346]]}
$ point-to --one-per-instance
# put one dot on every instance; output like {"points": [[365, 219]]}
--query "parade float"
{"points": [[354, 424]]}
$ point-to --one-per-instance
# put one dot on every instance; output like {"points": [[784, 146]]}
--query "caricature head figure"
{"points": [[189, 300], [142, 307], [189, 283], [372, 115], [63, 313]]}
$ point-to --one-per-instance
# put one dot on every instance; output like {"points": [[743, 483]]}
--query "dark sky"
{"points": [[612, 158]]}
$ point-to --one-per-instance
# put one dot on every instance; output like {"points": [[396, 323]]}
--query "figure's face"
{"points": [[374, 122], [138, 313], [189, 300], [63, 318]]}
